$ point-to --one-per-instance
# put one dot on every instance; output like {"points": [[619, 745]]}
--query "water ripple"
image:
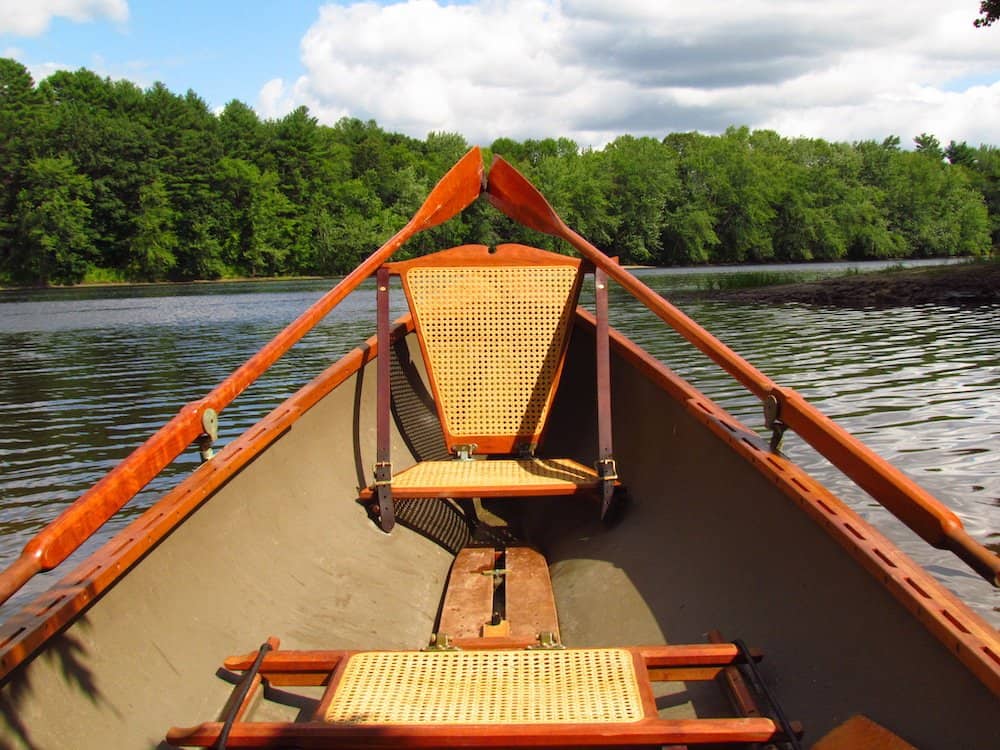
{"points": [[90, 374]]}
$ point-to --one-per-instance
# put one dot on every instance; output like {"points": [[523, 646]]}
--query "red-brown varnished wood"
{"points": [[688, 655], [480, 256], [644, 685], [335, 678], [650, 731], [26, 631], [509, 191], [861, 733], [468, 598], [456, 190], [291, 667], [684, 674], [962, 632], [735, 686], [531, 605], [506, 254], [255, 682], [907, 500]]}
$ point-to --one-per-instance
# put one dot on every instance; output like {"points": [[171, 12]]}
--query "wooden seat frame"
{"points": [[688, 662], [548, 696], [525, 475]]}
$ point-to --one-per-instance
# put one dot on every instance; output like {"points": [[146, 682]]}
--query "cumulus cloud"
{"points": [[32, 17], [591, 70]]}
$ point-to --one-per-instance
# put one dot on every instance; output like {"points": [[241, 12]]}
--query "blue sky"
{"points": [[585, 69], [222, 50]]}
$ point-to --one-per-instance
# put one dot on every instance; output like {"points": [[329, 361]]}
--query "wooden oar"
{"points": [[510, 191], [53, 544]]}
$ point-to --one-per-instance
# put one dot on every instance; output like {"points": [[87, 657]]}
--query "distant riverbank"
{"points": [[973, 283]]}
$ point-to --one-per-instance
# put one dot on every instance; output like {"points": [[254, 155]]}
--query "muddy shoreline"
{"points": [[966, 284]]}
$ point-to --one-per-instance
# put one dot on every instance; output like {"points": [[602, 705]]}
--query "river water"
{"points": [[88, 374]]}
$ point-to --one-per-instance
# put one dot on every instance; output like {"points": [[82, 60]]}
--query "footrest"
{"points": [[572, 686]]}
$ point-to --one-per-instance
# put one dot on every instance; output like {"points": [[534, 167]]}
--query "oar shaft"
{"points": [[908, 501], [932, 520], [749, 376], [53, 544], [922, 512]]}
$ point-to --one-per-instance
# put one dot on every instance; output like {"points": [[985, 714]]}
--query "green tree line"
{"points": [[102, 180]]}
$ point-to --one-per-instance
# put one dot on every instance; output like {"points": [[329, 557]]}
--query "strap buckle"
{"points": [[383, 472], [607, 469]]}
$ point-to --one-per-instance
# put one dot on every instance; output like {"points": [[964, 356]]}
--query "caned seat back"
{"points": [[493, 328]]}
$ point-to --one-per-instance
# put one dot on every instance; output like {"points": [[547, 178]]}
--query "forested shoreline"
{"points": [[105, 181]]}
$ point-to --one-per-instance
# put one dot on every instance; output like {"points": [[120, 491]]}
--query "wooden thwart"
{"points": [[632, 676], [652, 732]]}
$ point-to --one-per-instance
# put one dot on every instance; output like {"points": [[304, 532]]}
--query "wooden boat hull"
{"points": [[719, 534]]}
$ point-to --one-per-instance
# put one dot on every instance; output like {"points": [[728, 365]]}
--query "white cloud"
{"points": [[591, 70], [32, 17], [272, 100]]}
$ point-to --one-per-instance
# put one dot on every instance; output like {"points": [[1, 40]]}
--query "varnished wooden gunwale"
{"points": [[937, 524], [27, 631], [459, 187], [663, 386], [925, 601], [964, 633]]}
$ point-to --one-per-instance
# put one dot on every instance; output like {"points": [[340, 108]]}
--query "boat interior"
{"points": [[577, 549]]}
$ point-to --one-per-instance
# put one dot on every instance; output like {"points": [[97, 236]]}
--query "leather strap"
{"points": [[383, 465], [606, 468]]}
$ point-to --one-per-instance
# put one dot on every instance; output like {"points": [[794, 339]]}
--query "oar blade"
{"points": [[511, 192], [459, 187]]}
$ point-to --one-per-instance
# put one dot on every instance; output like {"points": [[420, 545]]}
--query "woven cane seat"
{"points": [[541, 476], [578, 686], [493, 328]]}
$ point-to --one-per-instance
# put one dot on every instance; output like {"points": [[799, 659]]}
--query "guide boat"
{"points": [[498, 523]]}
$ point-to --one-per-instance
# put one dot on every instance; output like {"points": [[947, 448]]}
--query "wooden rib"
{"points": [[468, 599], [531, 605], [652, 731]]}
